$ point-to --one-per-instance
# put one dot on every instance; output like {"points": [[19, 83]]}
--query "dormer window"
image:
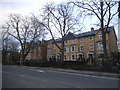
{"points": [[73, 41], [81, 39], [100, 35], [90, 37]]}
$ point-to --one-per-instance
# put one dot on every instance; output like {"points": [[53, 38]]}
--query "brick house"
{"points": [[84, 45], [38, 52]]}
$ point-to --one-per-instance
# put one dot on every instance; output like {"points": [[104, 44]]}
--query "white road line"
{"points": [[40, 71]]}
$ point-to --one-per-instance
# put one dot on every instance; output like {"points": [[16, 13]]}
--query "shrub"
{"points": [[36, 63], [115, 56]]}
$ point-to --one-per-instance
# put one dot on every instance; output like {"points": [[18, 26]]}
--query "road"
{"points": [[0, 76], [22, 77]]}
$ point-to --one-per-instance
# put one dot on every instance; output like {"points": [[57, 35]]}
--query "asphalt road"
{"points": [[22, 77], [0, 76]]}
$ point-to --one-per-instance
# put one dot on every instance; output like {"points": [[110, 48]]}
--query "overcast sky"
{"points": [[25, 7]]}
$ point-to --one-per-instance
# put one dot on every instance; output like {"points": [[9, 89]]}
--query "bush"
{"points": [[115, 56], [36, 63]]}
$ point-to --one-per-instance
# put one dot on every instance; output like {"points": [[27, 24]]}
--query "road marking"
{"points": [[40, 71]]}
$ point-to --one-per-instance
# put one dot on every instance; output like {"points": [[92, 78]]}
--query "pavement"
{"points": [[94, 73]]}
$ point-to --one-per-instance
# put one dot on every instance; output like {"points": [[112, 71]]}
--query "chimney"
{"points": [[92, 29]]}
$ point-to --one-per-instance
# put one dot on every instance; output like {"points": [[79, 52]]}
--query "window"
{"points": [[90, 37], [81, 39], [66, 49], [73, 57], [73, 41], [72, 48], [100, 35], [66, 41], [67, 57], [49, 51], [91, 47], [64, 57], [81, 48], [100, 46]]}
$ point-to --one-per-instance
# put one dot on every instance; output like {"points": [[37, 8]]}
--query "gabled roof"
{"points": [[70, 36], [110, 28]]}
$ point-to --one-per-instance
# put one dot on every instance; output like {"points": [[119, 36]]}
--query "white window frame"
{"points": [[80, 48], [72, 57], [100, 35], [65, 57], [66, 49], [100, 46], [72, 48], [81, 39], [90, 37], [91, 48]]}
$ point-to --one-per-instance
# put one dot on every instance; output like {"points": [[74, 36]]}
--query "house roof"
{"points": [[71, 36], [90, 33]]}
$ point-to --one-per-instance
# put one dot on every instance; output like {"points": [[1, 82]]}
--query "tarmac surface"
{"points": [[39, 77]]}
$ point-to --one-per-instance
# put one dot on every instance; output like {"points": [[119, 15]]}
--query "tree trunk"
{"points": [[106, 57], [22, 59], [62, 52]]}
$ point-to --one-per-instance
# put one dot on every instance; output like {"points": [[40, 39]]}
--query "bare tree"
{"points": [[59, 18], [25, 31], [5, 40], [5, 46], [103, 11], [9, 45]]}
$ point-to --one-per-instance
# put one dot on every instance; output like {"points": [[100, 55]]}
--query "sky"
{"points": [[25, 7]]}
